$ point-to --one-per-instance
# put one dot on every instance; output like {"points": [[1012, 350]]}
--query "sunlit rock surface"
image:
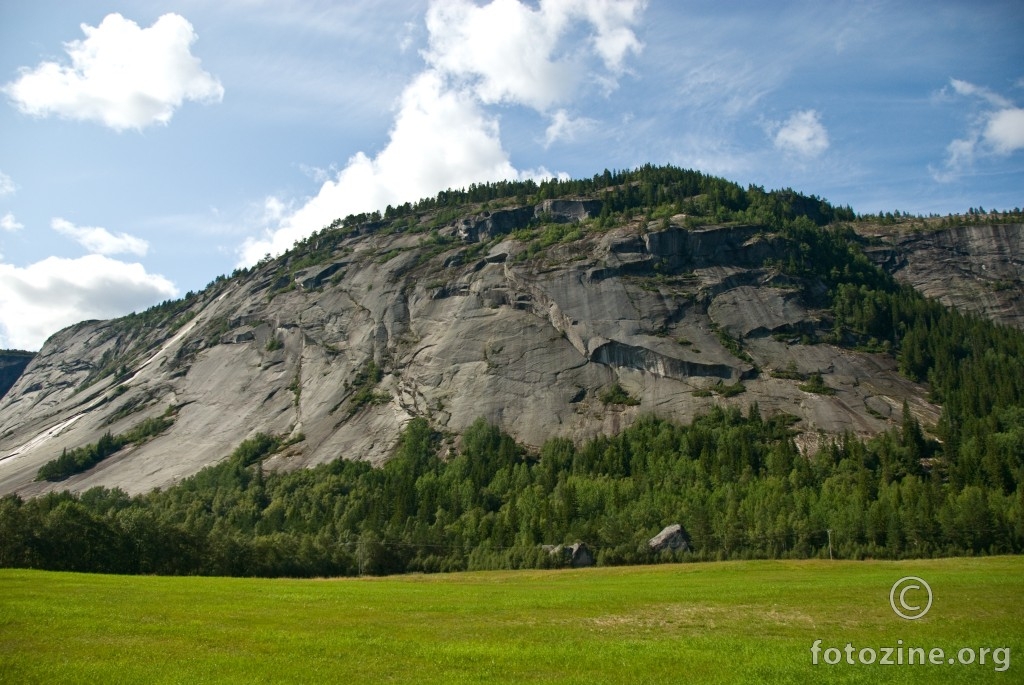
{"points": [[466, 321]]}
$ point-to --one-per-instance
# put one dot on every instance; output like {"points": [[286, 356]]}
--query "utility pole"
{"points": [[829, 531]]}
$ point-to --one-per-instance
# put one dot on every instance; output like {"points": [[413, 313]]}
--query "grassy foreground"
{"points": [[712, 623]]}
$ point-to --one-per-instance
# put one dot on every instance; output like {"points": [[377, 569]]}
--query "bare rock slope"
{"points": [[338, 346], [977, 268]]}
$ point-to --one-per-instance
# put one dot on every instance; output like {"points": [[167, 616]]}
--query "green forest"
{"points": [[733, 479], [735, 482]]}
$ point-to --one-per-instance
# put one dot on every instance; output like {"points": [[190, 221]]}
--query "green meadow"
{"points": [[711, 622]]}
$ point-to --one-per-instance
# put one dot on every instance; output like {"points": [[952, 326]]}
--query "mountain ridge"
{"points": [[523, 309]]}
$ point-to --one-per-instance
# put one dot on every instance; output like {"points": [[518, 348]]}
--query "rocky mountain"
{"points": [[569, 315]]}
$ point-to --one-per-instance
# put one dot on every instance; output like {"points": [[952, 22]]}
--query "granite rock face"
{"points": [[463, 321], [977, 268]]}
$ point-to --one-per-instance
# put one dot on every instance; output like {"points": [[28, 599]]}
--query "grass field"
{"points": [[712, 623]]}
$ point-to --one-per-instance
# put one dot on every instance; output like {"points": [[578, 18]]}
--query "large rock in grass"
{"points": [[576, 555], [672, 538]]}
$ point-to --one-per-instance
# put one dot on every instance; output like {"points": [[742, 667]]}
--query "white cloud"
{"points": [[9, 223], [441, 139], [998, 130], [7, 186], [99, 240], [443, 136], [40, 299], [613, 20], [120, 75], [504, 46], [508, 51], [803, 135], [959, 156], [565, 127], [970, 89], [273, 209], [1004, 130]]}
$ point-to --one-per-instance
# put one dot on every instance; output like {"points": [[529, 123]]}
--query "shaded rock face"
{"points": [[568, 210], [504, 221], [977, 268], [317, 277], [12, 364], [577, 555], [463, 324]]}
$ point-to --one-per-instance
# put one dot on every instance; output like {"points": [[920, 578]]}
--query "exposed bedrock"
{"points": [[484, 326]]}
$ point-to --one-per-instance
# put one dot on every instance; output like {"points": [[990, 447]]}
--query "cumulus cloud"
{"points": [[440, 139], [1004, 130], [802, 135], [9, 223], [99, 240], [996, 130], [40, 299], [511, 52], [120, 75], [443, 136]]}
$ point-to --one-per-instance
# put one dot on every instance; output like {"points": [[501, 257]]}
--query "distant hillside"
{"points": [[12, 364]]}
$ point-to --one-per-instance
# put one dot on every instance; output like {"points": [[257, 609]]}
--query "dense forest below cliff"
{"points": [[737, 484]]}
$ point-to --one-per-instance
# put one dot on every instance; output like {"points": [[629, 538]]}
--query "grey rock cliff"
{"points": [[463, 322], [977, 268]]}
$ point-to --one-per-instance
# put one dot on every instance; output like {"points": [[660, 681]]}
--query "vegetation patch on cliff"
{"points": [[84, 458]]}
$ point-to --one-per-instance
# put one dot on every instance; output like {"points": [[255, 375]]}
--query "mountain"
{"points": [[561, 309]]}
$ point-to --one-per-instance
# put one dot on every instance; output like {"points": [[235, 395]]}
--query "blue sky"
{"points": [[148, 147]]}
